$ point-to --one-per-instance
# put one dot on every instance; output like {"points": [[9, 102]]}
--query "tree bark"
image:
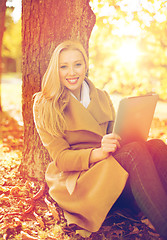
{"points": [[45, 24], [2, 29]]}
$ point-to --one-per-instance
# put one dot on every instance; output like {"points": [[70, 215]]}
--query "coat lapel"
{"points": [[98, 112], [100, 105], [79, 118]]}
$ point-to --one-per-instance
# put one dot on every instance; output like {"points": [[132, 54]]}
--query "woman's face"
{"points": [[72, 70]]}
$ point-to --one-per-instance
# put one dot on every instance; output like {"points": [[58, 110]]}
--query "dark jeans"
{"points": [[146, 163]]}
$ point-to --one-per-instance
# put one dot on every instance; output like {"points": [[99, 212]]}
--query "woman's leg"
{"points": [[158, 151], [145, 183], [127, 202]]}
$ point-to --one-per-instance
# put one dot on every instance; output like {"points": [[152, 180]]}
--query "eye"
{"points": [[78, 64], [63, 66]]}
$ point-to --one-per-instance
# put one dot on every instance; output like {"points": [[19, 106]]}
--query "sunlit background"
{"points": [[128, 45]]}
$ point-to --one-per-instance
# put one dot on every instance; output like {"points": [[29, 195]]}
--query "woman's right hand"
{"points": [[109, 144]]}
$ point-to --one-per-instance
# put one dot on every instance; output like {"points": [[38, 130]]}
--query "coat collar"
{"points": [[99, 111]]}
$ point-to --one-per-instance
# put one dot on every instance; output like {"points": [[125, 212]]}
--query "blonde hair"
{"points": [[51, 101]]}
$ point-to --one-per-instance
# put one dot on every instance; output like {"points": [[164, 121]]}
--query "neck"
{"points": [[77, 94]]}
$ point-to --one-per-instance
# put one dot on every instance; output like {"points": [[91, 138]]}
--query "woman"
{"points": [[90, 169]]}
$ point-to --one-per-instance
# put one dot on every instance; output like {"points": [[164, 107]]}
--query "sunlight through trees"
{"points": [[128, 50]]}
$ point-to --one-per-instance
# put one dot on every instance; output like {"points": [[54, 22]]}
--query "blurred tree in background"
{"points": [[11, 48], [128, 46]]}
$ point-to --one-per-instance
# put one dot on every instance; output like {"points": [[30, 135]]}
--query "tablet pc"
{"points": [[134, 117]]}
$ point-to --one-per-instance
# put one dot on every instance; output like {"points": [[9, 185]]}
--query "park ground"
{"points": [[26, 210]]}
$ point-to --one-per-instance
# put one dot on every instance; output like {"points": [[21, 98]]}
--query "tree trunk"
{"points": [[2, 29], [44, 25]]}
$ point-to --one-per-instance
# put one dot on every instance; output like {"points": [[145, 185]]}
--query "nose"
{"points": [[71, 71]]}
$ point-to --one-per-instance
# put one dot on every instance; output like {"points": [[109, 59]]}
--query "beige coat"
{"points": [[85, 192]]}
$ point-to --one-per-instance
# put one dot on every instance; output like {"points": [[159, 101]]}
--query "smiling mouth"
{"points": [[72, 80]]}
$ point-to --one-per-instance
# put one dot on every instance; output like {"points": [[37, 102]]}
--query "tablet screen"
{"points": [[134, 117]]}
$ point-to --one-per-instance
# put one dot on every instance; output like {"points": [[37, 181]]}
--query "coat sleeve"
{"points": [[63, 156]]}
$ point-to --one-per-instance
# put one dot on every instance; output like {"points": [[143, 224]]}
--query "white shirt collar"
{"points": [[85, 98]]}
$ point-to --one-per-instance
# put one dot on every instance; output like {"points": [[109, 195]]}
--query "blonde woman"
{"points": [[89, 171]]}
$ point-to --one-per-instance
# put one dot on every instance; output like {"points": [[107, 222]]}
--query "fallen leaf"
{"points": [[40, 192], [26, 236], [39, 220], [52, 209]]}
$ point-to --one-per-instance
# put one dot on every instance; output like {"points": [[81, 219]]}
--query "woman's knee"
{"points": [[156, 143]]}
